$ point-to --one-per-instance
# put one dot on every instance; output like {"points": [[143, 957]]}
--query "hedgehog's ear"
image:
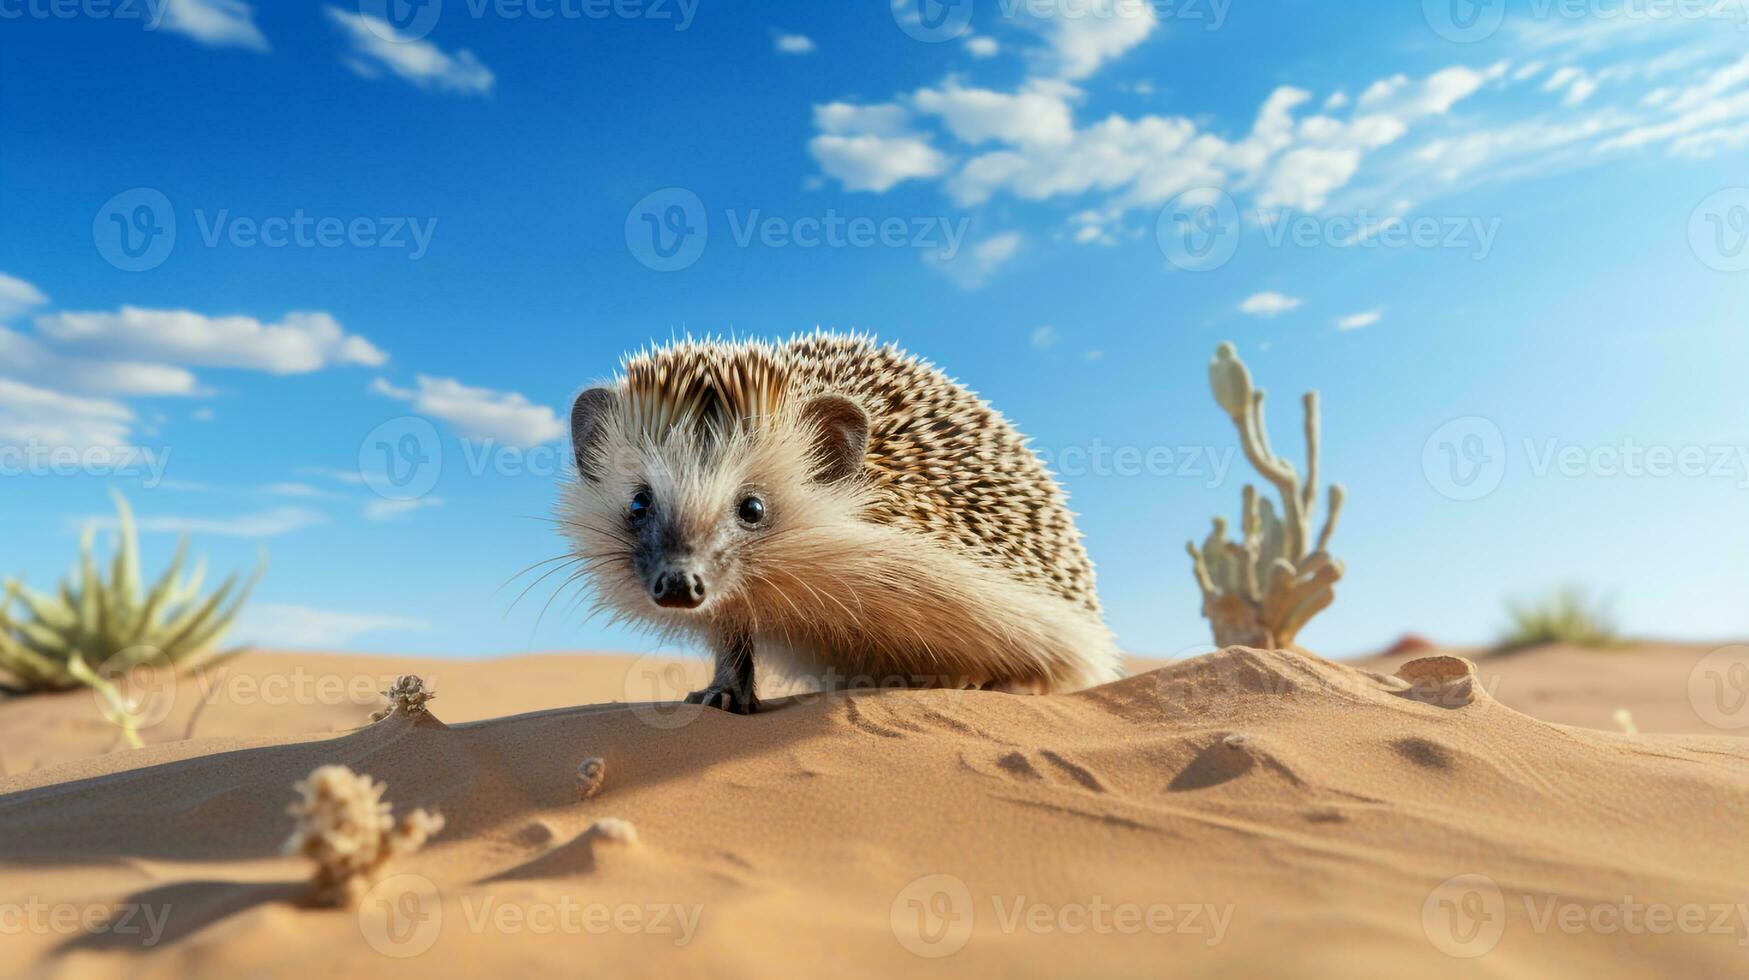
{"points": [[840, 429], [589, 415]]}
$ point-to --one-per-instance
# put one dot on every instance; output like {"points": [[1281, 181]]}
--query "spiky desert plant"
{"points": [[1262, 589], [96, 627], [344, 825], [1566, 615]]}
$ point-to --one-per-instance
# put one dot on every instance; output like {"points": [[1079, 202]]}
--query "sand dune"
{"points": [[1241, 812]]}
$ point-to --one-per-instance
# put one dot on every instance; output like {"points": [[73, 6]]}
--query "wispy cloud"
{"points": [[376, 46], [299, 343], [1357, 321], [1045, 337], [794, 44], [214, 23], [18, 296], [260, 524], [973, 267], [1269, 304], [31, 414], [286, 624], [479, 413], [388, 510]]}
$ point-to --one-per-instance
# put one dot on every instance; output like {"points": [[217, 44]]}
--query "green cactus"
{"points": [[96, 628], [1261, 590]]}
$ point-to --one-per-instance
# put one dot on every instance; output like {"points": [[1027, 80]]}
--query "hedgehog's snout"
{"points": [[678, 589]]}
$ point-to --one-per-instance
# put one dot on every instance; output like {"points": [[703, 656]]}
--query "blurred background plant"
{"points": [[95, 631], [1260, 590], [1568, 615]]}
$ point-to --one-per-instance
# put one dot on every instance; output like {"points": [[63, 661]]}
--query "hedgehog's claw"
{"points": [[726, 699]]}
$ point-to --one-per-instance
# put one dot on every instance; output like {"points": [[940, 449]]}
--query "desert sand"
{"points": [[1241, 813]]}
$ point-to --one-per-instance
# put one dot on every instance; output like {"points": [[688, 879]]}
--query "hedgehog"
{"points": [[831, 507]]}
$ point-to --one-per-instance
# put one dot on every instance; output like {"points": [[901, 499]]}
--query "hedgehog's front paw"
{"points": [[725, 698]]}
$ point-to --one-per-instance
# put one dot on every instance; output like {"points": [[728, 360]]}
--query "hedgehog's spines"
{"points": [[943, 461]]}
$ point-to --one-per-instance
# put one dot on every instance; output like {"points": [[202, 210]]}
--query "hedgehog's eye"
{"points": [[751, 511], [640, 507]]}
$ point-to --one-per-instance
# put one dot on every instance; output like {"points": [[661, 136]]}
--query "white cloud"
{"points": [[285, 624], [1044, 338], [1269, 304], [388, 510], [979, 46], [376, 45], [1142, 162], [214, 23], [18, 296], [295, 489], [1038, 114], [300, 343], [973, 267], [1356, 321], [794, 44], [1084, 35], [479, 413], [24, 356], [351, 477], [871, 148], [31, 414], [260, 524]]}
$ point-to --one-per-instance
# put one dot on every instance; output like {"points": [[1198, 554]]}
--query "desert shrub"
{"points": [[98, 626], [1260, 590], [1566, 615]]}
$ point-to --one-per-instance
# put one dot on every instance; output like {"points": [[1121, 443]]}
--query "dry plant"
{"points": [[344, 825], [1566, 615], [407, 695], [1261, 590], [98, 627]]}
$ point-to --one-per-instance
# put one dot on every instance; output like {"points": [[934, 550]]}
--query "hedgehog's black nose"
{"points": [[678, 590]]}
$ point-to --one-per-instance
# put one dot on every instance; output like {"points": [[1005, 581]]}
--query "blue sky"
{"points": [[1506, 243]]}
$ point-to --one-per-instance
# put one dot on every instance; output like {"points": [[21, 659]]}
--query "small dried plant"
{"points": [[344, 825]]}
